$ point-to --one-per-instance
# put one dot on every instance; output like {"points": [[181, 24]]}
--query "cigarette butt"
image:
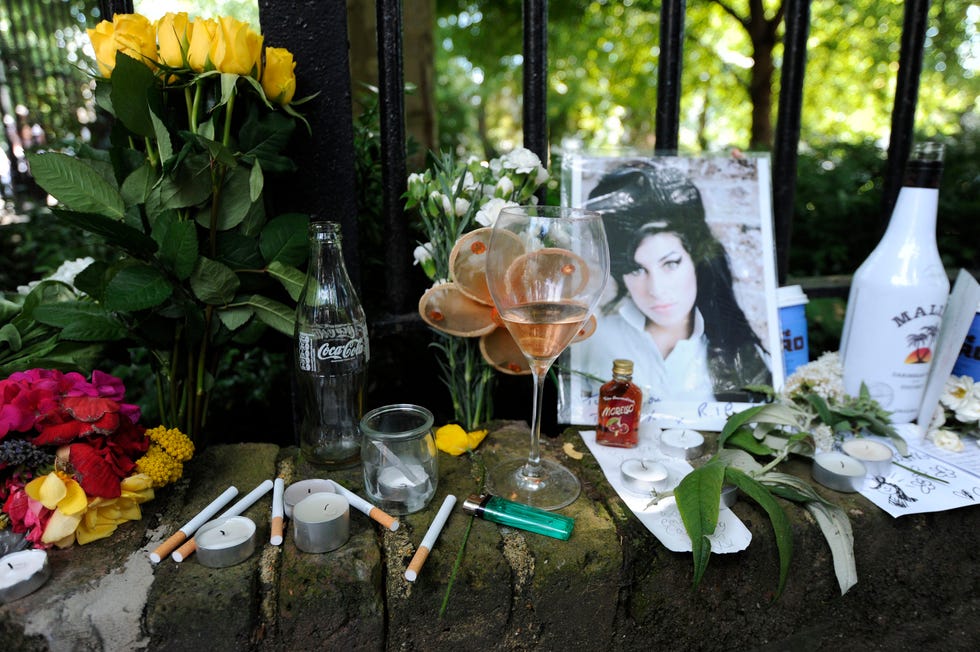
{"points": [[416, 564], [185, 551], [168, 546], [384, 518], [276, 537]]}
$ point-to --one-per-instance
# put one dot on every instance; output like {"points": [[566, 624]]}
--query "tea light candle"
{"points": [[321, 522], [225, 541], [838, 471], [400, 483], [682, 443], [643, 476], [297, 491], [22, 573], [876, 457]]}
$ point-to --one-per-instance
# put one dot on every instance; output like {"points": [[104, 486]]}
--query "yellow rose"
{"points": [[279, 76], [202, 35], [174, 38], [131, 34], [237, 48]]}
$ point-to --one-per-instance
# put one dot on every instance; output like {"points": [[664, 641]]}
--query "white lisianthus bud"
{"points": [[442, 202], [504, 188], [462, 205], [542, 176], [488, 213], [947, 440], [423, 257]]}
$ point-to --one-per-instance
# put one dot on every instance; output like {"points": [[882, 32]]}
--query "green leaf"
{"points": [[132, 82], [698, 496], [233, 202], [265, 136], [213, 283], [235, 318], [137, 286], [188, 185], [736, 421], [780, 523], [165, 147], [115, 233], [255, 182], [138, 185], [178, 243], [291, 278], [10, 336], [745, 440], [82, 322], [833, 522], [92, 280], [284, 239], [272, 313], [76, 185]]}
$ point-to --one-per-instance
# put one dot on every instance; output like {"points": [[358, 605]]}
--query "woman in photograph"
{"points": [[674, 311]]}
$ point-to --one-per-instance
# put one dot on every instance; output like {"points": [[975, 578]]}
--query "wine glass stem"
{"points": [[533, 467]]}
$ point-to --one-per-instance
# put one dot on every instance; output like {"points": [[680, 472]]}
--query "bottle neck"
{"points": [[914, 215]]}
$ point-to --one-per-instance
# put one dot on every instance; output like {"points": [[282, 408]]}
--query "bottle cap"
{"points": [[622, 366], [791, 295]]}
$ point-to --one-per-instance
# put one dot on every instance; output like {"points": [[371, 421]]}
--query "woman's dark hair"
{"points": [[644, 198]]}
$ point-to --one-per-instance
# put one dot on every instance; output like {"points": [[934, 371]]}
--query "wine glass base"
{"points": [[551, 488]]}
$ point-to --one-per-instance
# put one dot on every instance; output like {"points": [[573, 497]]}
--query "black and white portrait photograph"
{"points": [[691, 298]]}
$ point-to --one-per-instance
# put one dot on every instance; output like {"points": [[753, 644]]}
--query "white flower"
{"points": [[66, 273], [968, 411], [823, 376], [542, 176], [442, 200], [521, 160], [504, 187], [947, 440], [462, 205], [488, 213], [423, 253], [823, 437], [958, 391]]}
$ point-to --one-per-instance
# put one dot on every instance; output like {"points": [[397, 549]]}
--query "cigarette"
{"points": [[429, 540], [191, 526], [277, 510], [364, 506], [186, 550]]}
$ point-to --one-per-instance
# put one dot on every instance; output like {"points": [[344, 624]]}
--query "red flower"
{"points": [[101, 462], [27, 515]]}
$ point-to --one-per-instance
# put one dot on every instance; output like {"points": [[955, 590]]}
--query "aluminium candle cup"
{"points": [[321, 522], [729, 494], [838, 471], [297, 491], [23, 573], [643, 476], [682, 443], [225, 541], [876, 457]]}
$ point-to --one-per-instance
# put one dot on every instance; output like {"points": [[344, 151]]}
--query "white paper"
{"points": [[961, 307], [955, 478], [664, 519]]}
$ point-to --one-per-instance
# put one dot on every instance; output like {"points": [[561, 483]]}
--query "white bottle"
{"points": [[898, 296]]}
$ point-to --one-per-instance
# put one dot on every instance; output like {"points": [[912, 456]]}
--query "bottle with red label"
{"points": [[619, 408], [331, 355]]}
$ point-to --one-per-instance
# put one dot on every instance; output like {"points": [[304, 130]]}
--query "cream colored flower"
{"points": [[959, 390], [947, 440]]}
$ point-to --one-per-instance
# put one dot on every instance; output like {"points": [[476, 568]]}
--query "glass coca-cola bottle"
{"points": [[331, 355]]}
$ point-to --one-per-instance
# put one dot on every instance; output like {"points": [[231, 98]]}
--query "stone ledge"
{"points": [[611, 586]]}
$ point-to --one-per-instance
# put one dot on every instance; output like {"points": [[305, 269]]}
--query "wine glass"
{"points": [[546, 269]]}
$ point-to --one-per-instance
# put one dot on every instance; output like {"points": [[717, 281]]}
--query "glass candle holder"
{"points": [[398, 455]]}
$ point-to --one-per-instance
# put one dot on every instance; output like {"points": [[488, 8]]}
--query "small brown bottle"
{"points": [[619, 408]]}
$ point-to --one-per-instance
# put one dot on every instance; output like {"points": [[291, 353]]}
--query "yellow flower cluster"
{"points": [[164, 461], [226, 45]]}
